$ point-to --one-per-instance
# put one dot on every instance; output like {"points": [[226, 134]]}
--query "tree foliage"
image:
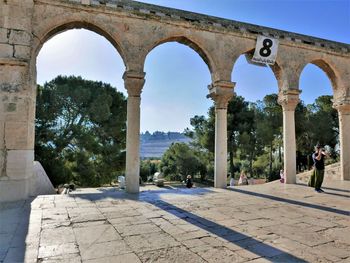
{"points": [[323, 122], [80, 131], [181, 160], [203, 131], [255, 133], [240, 127], [147, 169], [269, 127]]}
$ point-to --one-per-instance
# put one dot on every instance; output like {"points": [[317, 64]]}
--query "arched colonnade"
{"points": [[135, 29]]}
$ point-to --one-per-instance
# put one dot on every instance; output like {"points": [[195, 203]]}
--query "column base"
{"points": [[290, 180], [132, 189], [345, 171], [13, 190], [220, 180], [16, 178], [132, 185]]}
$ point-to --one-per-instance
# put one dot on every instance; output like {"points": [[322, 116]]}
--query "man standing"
{"points": [[318, 158]]}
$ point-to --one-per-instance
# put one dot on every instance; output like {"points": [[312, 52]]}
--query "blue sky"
{"points": [[177, 78]]}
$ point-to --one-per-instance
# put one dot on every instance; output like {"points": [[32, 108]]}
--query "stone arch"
{"points": [[241, 49], [199, 49], [278, 73], [277, 69], [55, 28], [327, 68]]}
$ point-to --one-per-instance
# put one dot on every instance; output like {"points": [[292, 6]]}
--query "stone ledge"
{"points": [[13, 62], [149, 10]]}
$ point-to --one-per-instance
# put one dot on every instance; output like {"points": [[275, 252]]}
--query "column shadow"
{"points": [[264, 250], [14, 227], [293, 202], [244, 241], [328, 188], [336, 189], [332, 189], [336, 194]]}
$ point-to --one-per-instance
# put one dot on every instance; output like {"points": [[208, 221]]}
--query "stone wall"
{"points": [[332, 172]]}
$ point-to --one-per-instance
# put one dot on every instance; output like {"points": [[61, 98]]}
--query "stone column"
{"points": [[17, 101], [134, 82], [17, 106], [289, 100], [221, 92], [343, 108]]}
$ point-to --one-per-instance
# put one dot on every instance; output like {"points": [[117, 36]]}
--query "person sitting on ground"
{"points": [[232, 181], [281, 176], [189, 183], [243, 179]]}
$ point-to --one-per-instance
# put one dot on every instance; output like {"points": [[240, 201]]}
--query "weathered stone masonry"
{"points": [[135, 29]]}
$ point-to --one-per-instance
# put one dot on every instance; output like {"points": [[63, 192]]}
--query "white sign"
{"points": [[265, 50]]}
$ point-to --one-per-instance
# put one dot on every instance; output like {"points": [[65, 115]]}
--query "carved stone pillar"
{"points": [[134, 82], [17, 101], [17, 107], [288, 100], [343, 107], [221, 92]]}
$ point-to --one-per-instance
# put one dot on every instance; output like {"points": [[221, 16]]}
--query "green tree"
{"points": [[302, 131], [179, 161], [255, 133], [147, 169], [316, 123], [324, 122], [80, 131], [240, 130], [269, 126], [203, 131]]}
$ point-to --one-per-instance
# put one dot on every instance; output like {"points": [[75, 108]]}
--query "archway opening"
{"points": [[80, 108], [173, 99], [316, 119], [254, 123]]}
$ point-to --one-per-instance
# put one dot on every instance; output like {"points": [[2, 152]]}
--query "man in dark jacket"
{"points": [[318, 157]]}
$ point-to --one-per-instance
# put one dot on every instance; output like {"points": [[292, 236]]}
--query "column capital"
{"points": [[342, 105], [134, 81], [221, 92], [289, 99]]}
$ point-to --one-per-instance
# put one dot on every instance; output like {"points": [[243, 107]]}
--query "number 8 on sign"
{"points": [[265, 51]]}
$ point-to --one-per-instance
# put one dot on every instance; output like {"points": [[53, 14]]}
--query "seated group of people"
{"points": [[243, 180]]}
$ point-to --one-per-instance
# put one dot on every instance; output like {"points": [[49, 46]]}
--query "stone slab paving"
{"points": [[259, 223]]}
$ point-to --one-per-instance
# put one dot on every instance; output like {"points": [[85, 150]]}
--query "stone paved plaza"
{"points": [[260, 223]]}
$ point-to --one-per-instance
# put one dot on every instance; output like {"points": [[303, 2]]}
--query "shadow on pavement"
{"points": [[244, 241], [328, 188], [293, 202], [332, 189], [14, 228]]}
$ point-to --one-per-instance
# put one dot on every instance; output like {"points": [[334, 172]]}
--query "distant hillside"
{"points": [[155, 144]]}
